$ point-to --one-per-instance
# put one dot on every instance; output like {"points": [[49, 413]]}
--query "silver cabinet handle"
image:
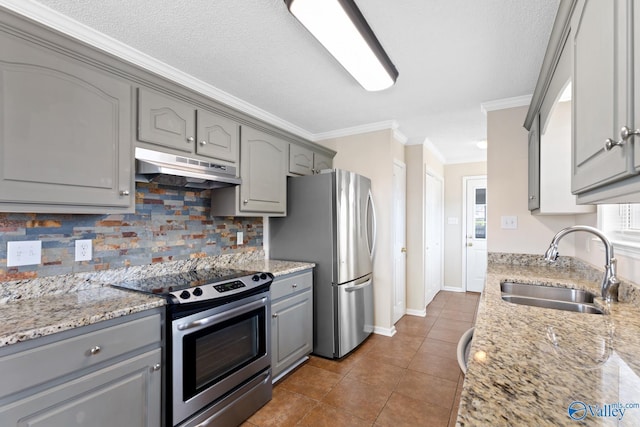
{"points": [[155, 367], [191, 139], [95, 350], [124, 193], [203, 142], [245, 201], [295, 285], [274, 315], [625, 133]]}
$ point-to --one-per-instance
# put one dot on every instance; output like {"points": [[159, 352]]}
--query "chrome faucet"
{"points": [[609, 282]]}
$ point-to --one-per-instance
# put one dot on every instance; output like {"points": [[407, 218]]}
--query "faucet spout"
{"points": [[610, 282]]}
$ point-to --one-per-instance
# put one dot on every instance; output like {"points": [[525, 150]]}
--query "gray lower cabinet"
{"points": [[291, 321], [109, 376], [263, 169], [65, 143], [303, 161]]}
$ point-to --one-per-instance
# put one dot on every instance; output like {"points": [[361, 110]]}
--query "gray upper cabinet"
{"points": [[217, 137], [534, 165], [263, 169], [177, 125], [598, 34], [165, 121], [321, 162], [303, 161], [300, 160], [65, 143]]}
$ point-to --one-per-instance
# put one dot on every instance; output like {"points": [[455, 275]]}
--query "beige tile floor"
{"points": [[410, 379]]}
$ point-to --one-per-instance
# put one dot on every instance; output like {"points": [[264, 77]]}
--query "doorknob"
{"points": [[403, 250]]}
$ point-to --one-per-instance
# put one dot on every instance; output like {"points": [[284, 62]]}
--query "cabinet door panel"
{"points": [[300, 160], [534, 164], [218, 137], [125, 394], [166, 121], [321, 162], [598, 95], [263, 172], [292, 330], [65, 130]]}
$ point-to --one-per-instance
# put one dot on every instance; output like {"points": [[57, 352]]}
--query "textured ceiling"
{"points": [[452, 56]]}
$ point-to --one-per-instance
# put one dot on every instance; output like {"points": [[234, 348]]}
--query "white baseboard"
{"points": [[387, 332], [452, 289], [419, 313]]}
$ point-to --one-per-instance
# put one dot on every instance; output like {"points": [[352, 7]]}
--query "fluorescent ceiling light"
{"points": [[340, 27]]}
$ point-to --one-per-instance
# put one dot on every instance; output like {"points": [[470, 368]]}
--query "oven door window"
{"points": [[214, 353]]}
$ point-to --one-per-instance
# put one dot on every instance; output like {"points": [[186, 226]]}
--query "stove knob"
{"points": [[185, 295], [197, 292], [263, 276], [255, 278]]}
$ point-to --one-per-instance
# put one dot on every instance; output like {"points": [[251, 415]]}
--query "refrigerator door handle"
{"points": [[371, 244], [358, 287]]}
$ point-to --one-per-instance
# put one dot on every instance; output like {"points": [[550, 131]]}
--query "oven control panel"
{"points": [[212, 291]]}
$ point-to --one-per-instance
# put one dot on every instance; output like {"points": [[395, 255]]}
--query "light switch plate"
{"points": [[240, 238], [509, 222], [84, 250], [24, 253]]}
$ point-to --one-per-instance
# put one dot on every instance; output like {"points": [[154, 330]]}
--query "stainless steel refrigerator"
{"points": [[331, 221]]}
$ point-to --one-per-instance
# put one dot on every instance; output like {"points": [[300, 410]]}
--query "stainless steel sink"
{"points": [[549, 297], [546, 292], [554, 304]]}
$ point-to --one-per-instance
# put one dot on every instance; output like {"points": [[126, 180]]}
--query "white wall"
{"points": [[453, 233], [507, 190], [419, 160], [372, 155]]}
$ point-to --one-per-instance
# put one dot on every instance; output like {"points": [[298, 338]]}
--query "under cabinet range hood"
{"points": [[179, 171]]}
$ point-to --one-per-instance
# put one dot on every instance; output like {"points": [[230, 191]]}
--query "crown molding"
{"points": [[434, 150], [357, 130], [501, 104], [66, 25]]}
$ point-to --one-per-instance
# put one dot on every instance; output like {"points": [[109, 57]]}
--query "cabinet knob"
{"points": [[469, 244], [403, 250], [295, 285], [190, 139], [203, 142], [274, 315], [95, 350], [625, 133], [532, 197], [124, 193], [609, 144], [155, 367], [245, 201]]}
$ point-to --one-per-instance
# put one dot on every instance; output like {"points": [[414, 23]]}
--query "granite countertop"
{"points": [[43, 306], [529, 365]]}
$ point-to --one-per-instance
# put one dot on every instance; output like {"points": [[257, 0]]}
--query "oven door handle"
{"points": [[222, 316]]}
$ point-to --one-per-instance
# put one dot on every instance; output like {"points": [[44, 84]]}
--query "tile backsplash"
{"points": [[169, 224]]}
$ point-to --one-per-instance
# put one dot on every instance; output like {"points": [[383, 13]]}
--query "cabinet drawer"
{"points": [[288, 285], [41, 364]]}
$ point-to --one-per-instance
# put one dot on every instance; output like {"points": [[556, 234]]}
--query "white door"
{"points": [[476, 233], [399, 239], [433, 238]]}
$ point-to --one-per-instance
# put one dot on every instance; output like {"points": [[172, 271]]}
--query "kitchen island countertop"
{"points": [[544, 367]]}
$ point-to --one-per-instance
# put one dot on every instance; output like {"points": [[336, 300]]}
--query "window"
{"points": [[621, 224]]}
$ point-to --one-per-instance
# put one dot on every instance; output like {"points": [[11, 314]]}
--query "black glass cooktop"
{"points": [[166, 284]]}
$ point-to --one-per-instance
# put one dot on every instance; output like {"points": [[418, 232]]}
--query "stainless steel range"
{"points": [[218, 348]]}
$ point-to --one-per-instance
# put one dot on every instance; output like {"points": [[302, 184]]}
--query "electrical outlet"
{"points": [[509, 222], [240, 238], [24, 253], [84, 250]]}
